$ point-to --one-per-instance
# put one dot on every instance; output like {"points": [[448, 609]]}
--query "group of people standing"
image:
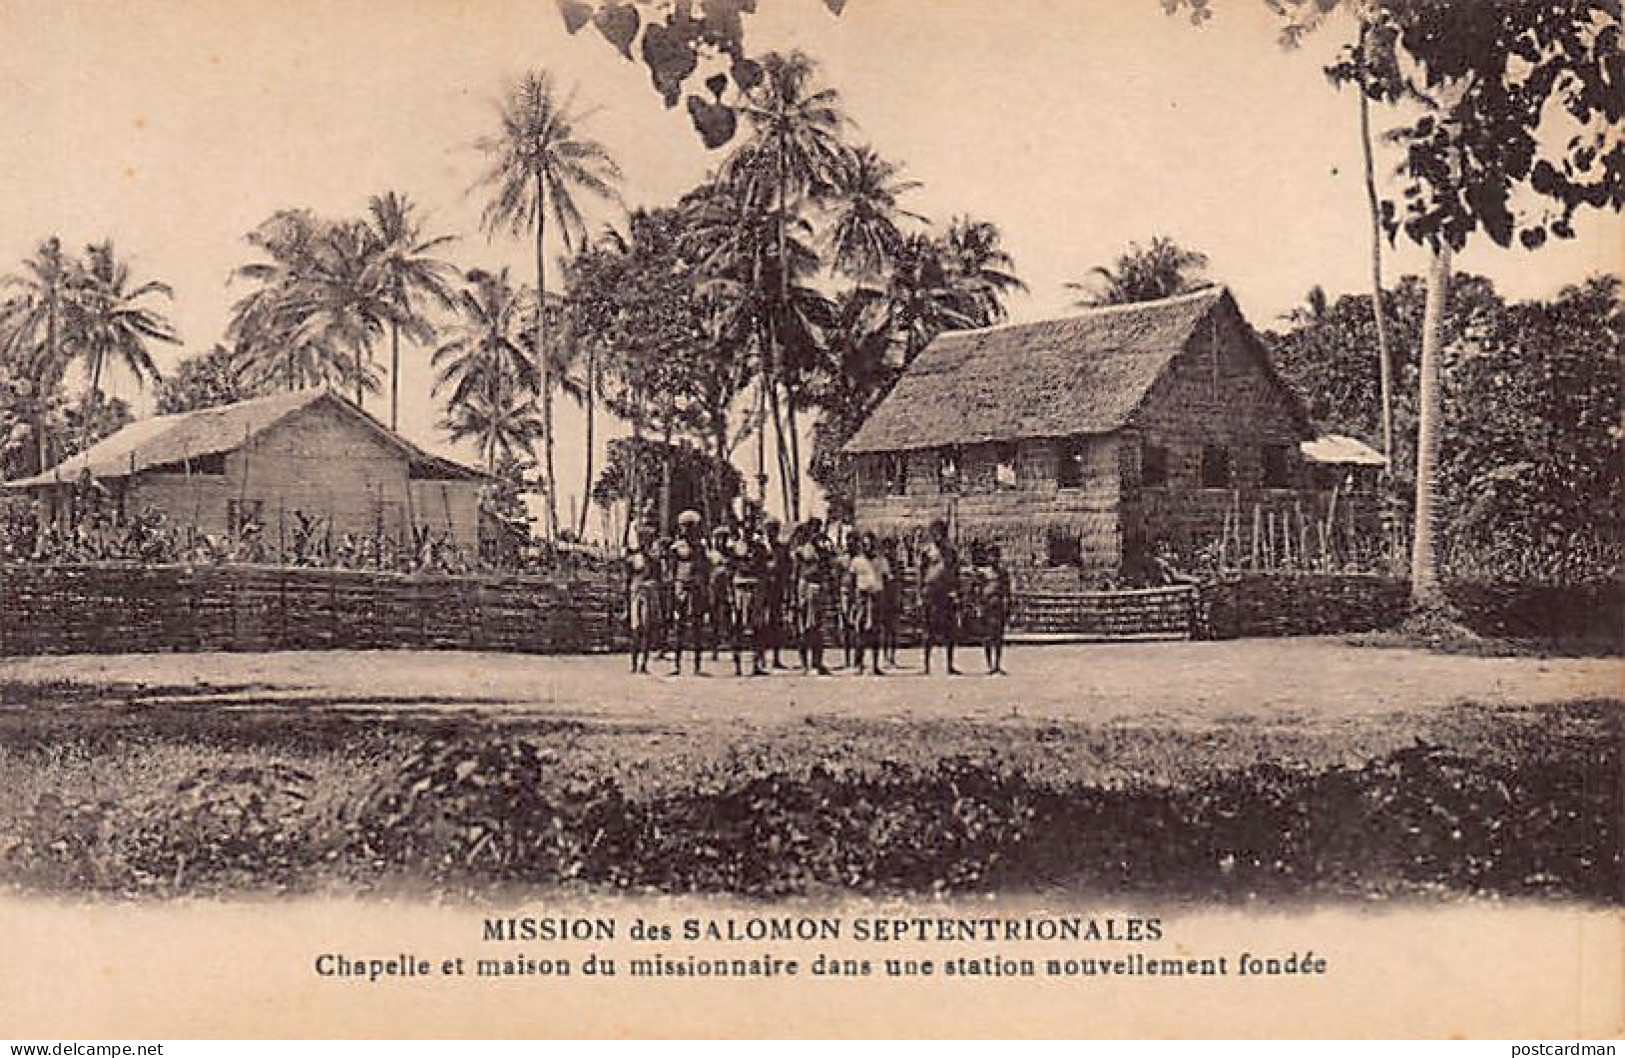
{"points": [[746, 587]]}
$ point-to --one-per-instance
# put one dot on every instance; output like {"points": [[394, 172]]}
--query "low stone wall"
{"points": [[119, 609], [1282, 604]]}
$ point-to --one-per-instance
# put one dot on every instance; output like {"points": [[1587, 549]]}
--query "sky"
{"points": [[176, 126]]}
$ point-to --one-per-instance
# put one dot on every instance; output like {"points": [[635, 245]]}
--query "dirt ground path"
{"points": [[1273, 681]]}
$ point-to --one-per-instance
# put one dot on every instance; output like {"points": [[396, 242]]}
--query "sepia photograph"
{"points": [[812, 518]]}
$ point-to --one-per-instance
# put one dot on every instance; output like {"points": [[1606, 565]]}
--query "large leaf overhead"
{"points": [[678, 40]]}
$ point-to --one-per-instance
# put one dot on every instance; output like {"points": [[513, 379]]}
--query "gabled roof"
{"points": [[1084, 374], [170, 439]]}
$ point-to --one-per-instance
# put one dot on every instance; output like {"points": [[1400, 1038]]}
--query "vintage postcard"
{"points": [[811, 518]]}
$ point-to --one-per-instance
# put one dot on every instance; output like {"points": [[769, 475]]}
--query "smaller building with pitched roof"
{"points": [[1092, 441], [269, 461]]}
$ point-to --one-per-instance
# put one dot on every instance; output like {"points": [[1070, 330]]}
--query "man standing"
{"points": [[867, 586], [775, 590], [747, 561], [718, 598], [939, 585], [688, 579], [812, 572], [642, 598]]}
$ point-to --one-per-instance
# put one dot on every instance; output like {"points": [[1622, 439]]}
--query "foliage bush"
{"points": [[485, 808], [1538, 815]]}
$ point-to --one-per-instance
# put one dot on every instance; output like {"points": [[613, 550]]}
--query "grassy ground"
{"points": [[1276, 767]]}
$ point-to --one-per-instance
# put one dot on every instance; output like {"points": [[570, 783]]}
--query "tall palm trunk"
{"points": [[792, 428], [546, 365], [634, 490], [395, 376], [792, 486], [53, 342], [780, 450], [665, 475], [1379, 315], [720, 473], [592, 389], [761, 439], [1425, 591]]}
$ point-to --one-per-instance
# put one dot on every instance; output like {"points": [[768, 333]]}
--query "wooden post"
{"points": [[1303, 535], [411, 541], [378, 529], [1258, 531], [242, 488]]}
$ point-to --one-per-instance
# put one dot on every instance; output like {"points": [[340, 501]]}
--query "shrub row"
{"points": [[476, 813]]}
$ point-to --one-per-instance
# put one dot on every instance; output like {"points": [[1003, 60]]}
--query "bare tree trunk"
{"points": [[53, 340], [794, 430], [761, 439], [789, 470], [634, 474], [1425, 589], [40, 450], [1379, 316], [395, 376], [592, 390], [720, 437], [545, 363], [780, 450], [665, 477]]}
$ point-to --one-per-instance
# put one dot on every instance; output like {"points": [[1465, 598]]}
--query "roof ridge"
{"points": [[293, 397], [1097, 311]]}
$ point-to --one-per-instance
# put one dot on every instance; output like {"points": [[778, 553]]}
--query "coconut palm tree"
{"points": [[980, 269], [569, 353], [541, 164], [38, 339], [1148, 273], [922, 297], [864, 229], [792, 152], [409, 273], [108, 323], [486, 370], [37, 306], [750, 300], [484, 348], [502, 421], [344, 302], [314, 311]]}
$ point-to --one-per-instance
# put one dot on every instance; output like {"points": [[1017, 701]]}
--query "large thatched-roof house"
{"points": [[1086, 442], [265, 461]]}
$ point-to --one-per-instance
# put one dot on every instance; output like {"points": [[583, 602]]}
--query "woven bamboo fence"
{"points": [[107, 608], [1169, 611], [142, 609]]}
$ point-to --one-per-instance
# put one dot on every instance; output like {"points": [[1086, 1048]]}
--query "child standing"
{"points": [[642, 602], [890, 598], [993, 599]]}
